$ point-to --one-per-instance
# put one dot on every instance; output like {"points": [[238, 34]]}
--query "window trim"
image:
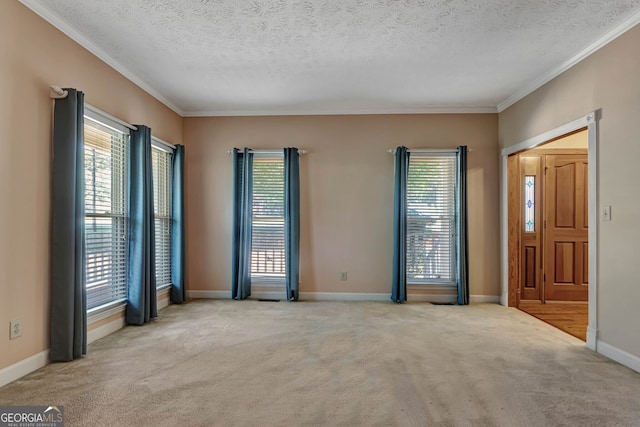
{"points": [[93, 114], [166, 148], [106, 310], [107, 121], [161, 145], [436, 284]]}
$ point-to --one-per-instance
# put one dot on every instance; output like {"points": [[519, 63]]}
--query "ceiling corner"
{"points": [[59, 23], [602, 41]]}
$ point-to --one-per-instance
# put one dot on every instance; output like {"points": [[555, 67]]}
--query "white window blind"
{"points": [[161, 167], [267, 238], [431, 234], [106, 162]]}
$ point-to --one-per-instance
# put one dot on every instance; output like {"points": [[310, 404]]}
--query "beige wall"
{"points": [[34, 55], [346, 193], [607, 81]]}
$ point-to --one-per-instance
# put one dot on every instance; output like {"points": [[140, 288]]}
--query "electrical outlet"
{"points": [[15, 329], [343, 276]]}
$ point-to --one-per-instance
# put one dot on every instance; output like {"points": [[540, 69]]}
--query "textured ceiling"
{"points": [[227, 57]]}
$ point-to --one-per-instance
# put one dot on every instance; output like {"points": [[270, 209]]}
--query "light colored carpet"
{"points": [[250, 363]]}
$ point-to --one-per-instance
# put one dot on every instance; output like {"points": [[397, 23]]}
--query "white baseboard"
{"points": [[437, 298], [106, 329], [488, 299], [35, 362], [23, 367], [163, 303], [267, 295], [614, 353], [345, 296], [380, 297], [209, 294], [307, 296], [117, 324]]}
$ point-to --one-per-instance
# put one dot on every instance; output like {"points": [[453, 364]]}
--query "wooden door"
{"points": [[566, 250]]}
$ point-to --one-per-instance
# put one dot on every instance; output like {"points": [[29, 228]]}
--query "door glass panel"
{"points": [[529, 204]]}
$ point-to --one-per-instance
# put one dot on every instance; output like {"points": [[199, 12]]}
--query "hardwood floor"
{"points": [[572, 318]]}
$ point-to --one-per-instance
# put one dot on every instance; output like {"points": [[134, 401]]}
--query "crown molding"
{"points": [[344, 111], [609, 36], [59, 23]]}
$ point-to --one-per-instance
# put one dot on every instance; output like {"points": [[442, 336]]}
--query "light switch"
{"points": [[606, 213]]}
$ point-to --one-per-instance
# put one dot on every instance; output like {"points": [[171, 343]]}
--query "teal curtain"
{"points": [[68, 328], [241, 244], [462, 226], [292, 221], [399, 280], [178, 254], [141, 283]]}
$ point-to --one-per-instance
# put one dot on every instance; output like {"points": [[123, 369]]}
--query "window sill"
{"points": [[163, 289], [431, 286], [102, 312]]}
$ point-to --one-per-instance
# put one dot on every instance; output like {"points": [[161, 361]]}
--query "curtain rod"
{"points": [[57, 92], [271, 151], [429, 150], [109, 116], [161, 142]]}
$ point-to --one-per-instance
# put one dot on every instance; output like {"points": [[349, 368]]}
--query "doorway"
{"points": [[549, 271]]}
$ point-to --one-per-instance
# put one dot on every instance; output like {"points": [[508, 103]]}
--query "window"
{"points": [[161, 167], [106, 163], [431, 235], [267, 220]]}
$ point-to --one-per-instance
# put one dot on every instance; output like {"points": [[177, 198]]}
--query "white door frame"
{"points": [[591, 123]]}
